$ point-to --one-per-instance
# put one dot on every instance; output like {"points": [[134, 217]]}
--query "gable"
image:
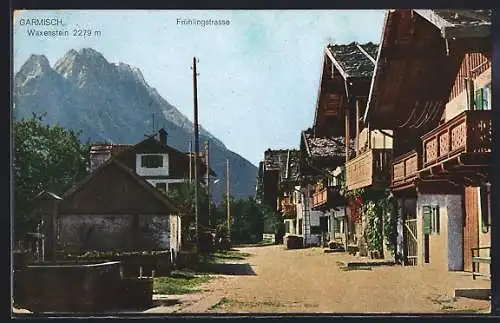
{"points": [[111, 190], [178, 161]]}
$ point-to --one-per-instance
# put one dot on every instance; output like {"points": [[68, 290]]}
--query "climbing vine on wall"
{"points": [[381, 221], [373, 227], [390, 223]]}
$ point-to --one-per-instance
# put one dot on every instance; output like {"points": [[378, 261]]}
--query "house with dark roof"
{"points": [[333, 150], [112, 209], [152, 158], [432, 88], [278, 177], [122, 204]]}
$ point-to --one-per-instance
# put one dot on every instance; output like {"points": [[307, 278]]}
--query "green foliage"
{"points": [[373, 228], [380, 221], [179, 285], [390, 224], [249, 219], [45, 158]]}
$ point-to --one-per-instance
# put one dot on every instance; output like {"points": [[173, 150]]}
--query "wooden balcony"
{"points": [[405, 169], [282, 202], [320, 198], [327, 197], [289, 211], [371, 168], [468, 133]]}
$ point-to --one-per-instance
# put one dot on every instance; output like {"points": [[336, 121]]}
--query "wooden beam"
{"points": [[347, 135], [357, 126], [337, 65], [372, 59]]}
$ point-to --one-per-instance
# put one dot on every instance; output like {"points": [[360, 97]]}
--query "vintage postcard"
{"points": [[237, 161]]}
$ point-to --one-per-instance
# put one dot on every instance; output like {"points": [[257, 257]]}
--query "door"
{"points": [[471, 225], [407, 209]]}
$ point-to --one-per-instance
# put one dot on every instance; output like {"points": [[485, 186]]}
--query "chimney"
{"points": [[163, 137], [98, 155]]}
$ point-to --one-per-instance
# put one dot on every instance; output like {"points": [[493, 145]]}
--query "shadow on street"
{"points": [[231, 269]]}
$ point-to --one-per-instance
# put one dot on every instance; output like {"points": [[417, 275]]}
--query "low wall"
{"points": [[271, 237], [136, 293], [160, 262], [68, 287]]}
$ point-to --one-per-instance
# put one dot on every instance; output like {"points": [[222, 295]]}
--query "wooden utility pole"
{"points": [[228, 203], [196, 149], [207, 178], [190, 162], [53, 227]]}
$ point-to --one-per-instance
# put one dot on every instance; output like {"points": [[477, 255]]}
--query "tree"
{"points": [[47, 158], [250, 219]]}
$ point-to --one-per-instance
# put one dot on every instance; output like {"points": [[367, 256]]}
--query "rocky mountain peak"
{"points": [[83, 64], [35, 67]]}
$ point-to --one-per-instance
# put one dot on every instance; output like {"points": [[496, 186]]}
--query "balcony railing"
{"points": [[469, 132], [370, 168], [320, 197], [405, 168]]}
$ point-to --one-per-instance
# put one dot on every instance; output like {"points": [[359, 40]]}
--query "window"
{"points": [[431, 219], [483, 98], [315, 229], [323, 223], [161, 186], [287, 226], [300, 226], [435, 220], [485, 208], [152, 161]]}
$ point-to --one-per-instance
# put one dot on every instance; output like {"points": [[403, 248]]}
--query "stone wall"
{"points": [[78, 232]]}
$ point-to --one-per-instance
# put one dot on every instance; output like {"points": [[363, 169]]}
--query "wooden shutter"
{"points": [[484, 210], [479, 99], [426, 219]]}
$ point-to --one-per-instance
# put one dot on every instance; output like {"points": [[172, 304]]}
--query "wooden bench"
{"points": [[477, 259]]}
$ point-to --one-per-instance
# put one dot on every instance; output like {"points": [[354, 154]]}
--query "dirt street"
{"points": [[308, 280]]}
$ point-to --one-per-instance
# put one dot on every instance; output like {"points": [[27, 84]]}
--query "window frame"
{"points": [[145, 164], [485, 207]]}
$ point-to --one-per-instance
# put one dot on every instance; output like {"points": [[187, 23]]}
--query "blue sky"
{"points": [[259, 75]]}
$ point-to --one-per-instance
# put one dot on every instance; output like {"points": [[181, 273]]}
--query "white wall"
{"points": [[166, 181], [175, 236], [378, 140], [160, 171], [459, 103], [445, 249], [315, 217]]}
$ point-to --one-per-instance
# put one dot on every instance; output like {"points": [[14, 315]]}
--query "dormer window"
{"points": [[152, 165], [152, 161]]}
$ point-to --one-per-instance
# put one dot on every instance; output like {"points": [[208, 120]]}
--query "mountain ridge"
{"points": [[113, 102]]}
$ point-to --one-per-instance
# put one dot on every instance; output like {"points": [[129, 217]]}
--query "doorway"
{"points": [[407, 208]]}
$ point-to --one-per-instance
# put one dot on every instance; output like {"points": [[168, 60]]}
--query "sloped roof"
{"points": [[354, 60], [127, 171], [118, 148], [457, 23], [325, 147], [286, 161]]}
